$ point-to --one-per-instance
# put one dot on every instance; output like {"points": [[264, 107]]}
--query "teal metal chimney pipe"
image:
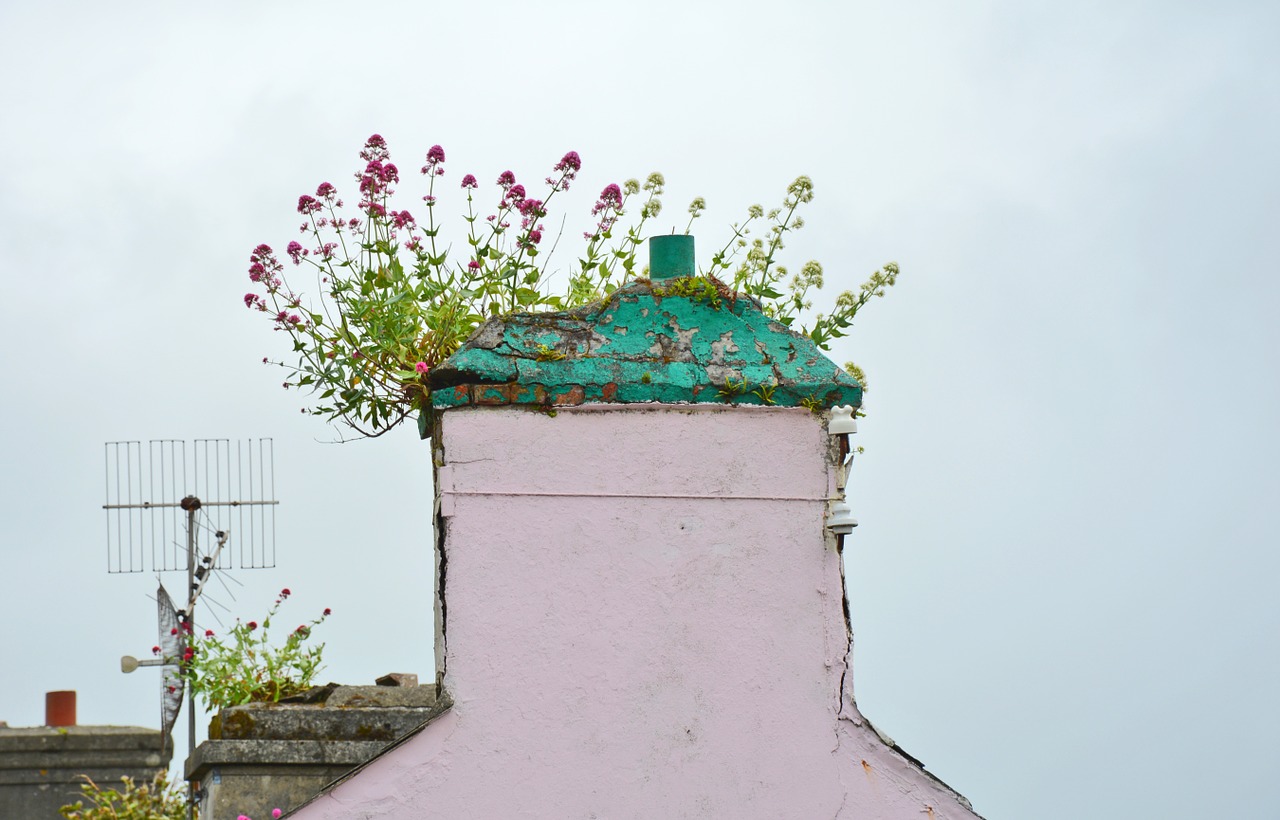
{"points": [[671, 256]]}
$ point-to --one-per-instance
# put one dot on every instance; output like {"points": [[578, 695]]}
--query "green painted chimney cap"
{"points": [[649, 341]]}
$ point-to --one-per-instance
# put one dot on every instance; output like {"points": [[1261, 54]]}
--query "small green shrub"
{"points": [[157, 799]]}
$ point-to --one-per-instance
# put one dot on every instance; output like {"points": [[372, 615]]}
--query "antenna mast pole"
{"points": [[191, 504], [227, 483]]}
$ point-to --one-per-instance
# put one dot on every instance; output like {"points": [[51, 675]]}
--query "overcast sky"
{"points": [[1063, 588]]}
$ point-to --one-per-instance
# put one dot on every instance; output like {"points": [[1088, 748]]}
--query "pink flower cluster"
{"points": [[568, 166], [378, 222], [265, 268], [608, 207], [376, 181], [325, 201], [435, 162], [378, 175]]}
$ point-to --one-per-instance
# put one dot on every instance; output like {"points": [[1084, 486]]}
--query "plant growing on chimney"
{"points": [[244, 667], [393, 298], [156, 799]]}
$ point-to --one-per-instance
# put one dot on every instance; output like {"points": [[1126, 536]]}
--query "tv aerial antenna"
{"points": [[160, 499]]}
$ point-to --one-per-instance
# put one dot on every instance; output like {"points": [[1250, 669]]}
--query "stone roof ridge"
{"points": [[690, 340]]}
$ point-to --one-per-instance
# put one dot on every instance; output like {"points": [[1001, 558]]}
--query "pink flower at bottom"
{"points": [[275, 813], [421, 367]]}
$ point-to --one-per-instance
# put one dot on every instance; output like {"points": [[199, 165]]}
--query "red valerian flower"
{"points": [[532, 207], [435, 156], [155, 650], [375, 149], [208, 633], [285, 593], [253, 625], [327, 612], [569, 162], [610, 197], [469, 181]]}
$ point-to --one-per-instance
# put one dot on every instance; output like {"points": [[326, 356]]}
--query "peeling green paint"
{"points": [[640, 346]]}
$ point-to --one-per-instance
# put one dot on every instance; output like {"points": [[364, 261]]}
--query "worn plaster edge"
{"points": [[911, 768], [848, 714], [443, 705], [849, 718]]}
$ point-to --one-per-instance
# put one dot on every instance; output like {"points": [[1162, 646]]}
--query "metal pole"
{"points": [[190, 625]]}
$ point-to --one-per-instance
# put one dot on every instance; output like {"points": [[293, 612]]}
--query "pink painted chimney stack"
{"points": [[640, 600]]}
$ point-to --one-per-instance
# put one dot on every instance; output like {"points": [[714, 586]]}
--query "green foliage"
{"points": [[703, 289], [857, 372], [732, 389], [549, 354], [155, 800], [244, 667], [393, 299]]}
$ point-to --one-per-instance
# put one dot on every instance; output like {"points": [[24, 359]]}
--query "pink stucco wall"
{"points": [[642, 618]]}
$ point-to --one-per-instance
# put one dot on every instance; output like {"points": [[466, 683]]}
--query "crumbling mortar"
{"points": [[439, 532]]}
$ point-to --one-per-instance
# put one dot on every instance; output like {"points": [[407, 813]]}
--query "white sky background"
{"points": [[1063, 590]]}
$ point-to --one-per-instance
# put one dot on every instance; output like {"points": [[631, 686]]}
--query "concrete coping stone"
{"points": [[219, 753], [289, 722], [79, 738]]}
